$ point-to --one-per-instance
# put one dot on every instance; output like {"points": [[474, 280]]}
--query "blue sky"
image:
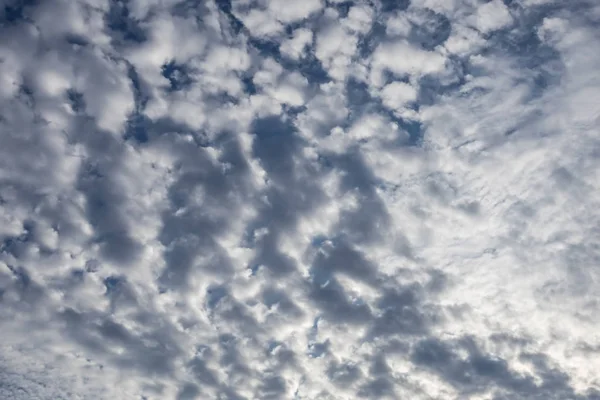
{"points": [[317, 199]]}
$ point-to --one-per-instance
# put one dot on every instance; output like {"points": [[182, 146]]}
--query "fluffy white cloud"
{"points": [[268, 18], [335, 47], [285, 88], [492, 16], [287, 12], [296, 46], [398, 94], [404, 59]]}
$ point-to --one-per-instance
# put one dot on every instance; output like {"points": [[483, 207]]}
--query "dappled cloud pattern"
{"points": [[317, 199]]}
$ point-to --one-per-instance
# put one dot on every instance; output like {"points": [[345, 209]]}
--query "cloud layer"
{"points": [[319, 199]]}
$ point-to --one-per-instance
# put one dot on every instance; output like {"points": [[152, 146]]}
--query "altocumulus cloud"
{"points": [[318, 199]]}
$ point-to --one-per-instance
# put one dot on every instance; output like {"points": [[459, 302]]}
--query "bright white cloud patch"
{"points": [[295, 46], [398, 94], [299, 200], [286, 11], [492, 16], [404, 59]]}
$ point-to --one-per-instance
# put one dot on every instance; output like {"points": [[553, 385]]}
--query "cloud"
{"points": [[492, 16], [402, 59], [311, 200], [397, 94], [295, 46]]}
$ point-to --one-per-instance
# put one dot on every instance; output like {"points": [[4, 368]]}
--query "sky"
{"points": [[316, 199]]}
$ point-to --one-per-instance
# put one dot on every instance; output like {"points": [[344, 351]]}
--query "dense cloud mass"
{"points": [[316, 199]]}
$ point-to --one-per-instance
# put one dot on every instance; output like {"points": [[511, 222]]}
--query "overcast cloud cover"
{"points": [[315, 199]]}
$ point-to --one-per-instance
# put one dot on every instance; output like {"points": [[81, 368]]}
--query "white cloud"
{"points": [[287, 12], [268, 18], [172, 38], [337, 41], [359, 19], [492, 16], [295, 47], [464, 40], [442, 6], [285, 88], [187, 213], [262, 23], [398, 25], [335, 47], [398, 94], [402, 58]]}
